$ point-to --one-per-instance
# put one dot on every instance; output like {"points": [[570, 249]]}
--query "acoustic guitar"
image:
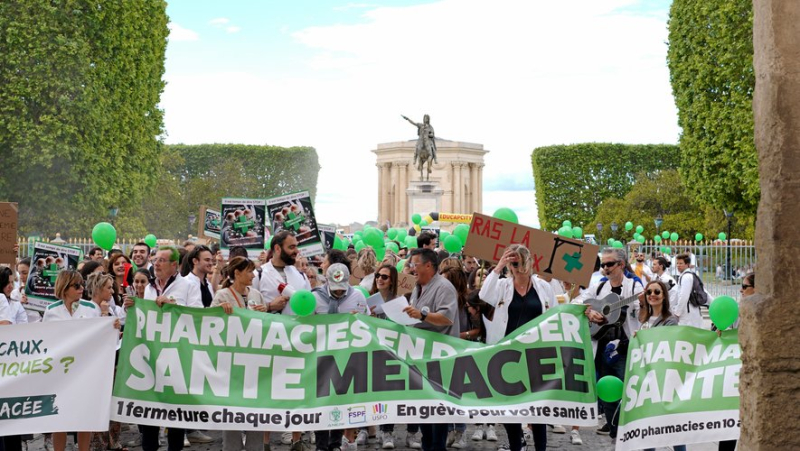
{"points": [[610, 307]]}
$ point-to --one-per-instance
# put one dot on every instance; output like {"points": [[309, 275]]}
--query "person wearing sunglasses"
{"points": [[517, 300]]}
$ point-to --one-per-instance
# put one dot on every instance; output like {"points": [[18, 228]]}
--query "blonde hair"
{"points": [[450, 262], [95, 281], [525, 261], [66, 278], [367, 260]]}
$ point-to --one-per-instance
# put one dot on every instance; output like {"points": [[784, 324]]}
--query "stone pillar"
{"points": [[401, 194], [473, 187], [458, 195], [384, 193], [453, 187], [480, 189], [770, 377]]}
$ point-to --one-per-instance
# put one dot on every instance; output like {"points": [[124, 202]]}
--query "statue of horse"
{"points": [[426, 145]]}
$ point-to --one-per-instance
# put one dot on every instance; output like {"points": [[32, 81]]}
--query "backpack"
{"points": [[698, 297]]}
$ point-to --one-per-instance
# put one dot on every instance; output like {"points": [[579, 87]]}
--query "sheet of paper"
{"points": [[394, 311], [376, 301]]}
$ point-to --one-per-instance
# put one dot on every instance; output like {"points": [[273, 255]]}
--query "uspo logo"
{"points": [[357, 415], [380, 411]]}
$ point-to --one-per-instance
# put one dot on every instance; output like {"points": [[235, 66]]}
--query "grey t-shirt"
{"points": [[439, 296]]}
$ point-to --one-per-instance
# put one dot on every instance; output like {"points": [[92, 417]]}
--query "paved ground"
{"points": [[591, 441]]}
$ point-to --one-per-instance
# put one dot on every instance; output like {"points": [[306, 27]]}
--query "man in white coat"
{"points": [[199, 264], [169, 287], [688, 314]]}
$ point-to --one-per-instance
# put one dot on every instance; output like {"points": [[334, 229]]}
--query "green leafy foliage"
{"points": [[195, 175], [665, 194], [80, 83], [573, 180], [710, 60]]}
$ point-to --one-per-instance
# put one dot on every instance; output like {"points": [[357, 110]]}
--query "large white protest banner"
{"points": [[56, 376]]}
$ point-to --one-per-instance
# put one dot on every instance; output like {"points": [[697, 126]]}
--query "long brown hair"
{"points": [[457, 277], [392, 281], [647, 312], [236, 264]]}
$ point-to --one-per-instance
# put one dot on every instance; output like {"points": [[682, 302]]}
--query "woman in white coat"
{"points": [[516, 300]]}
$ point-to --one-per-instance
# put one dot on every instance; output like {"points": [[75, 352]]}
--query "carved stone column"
{"points": [[769, 332], [401, 196]]}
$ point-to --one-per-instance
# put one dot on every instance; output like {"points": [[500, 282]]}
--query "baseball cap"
{"points": [[338, 277]]}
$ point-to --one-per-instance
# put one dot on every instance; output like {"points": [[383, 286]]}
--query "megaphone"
{"points": [[285, 289], [125, 279]]}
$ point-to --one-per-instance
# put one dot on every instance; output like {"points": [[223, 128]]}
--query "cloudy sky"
{"points": [[512, 75]]}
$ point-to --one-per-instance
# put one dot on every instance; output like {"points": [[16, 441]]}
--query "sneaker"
{"points": [[186, 442], [558, 429], [451, 438], [461, 440], [387, 441], [136, 442], [362, 437], [478, 435], [575, 437], [412, 441], [503, 447], [605, 430], [527, 434], [286, 438], [491, 435], [198, 437], [48, 442], [346, 445]]}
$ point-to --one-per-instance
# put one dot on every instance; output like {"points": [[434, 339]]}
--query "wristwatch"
{"points": [[424, 312]]}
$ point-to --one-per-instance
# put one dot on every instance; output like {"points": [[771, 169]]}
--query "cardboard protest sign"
{"points": [[203, 369], [565, 259], [8, 232], [210, 223], [294, 212], [243, 224], [327, 233], [681, 387], [405, 283], [46, 262]]}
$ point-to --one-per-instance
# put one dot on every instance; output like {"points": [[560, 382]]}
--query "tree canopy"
{"points": [[573, 180], [710, 60], [80, 126]]}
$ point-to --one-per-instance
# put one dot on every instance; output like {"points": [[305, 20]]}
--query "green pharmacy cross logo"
{"points": [[294, 221], [573, 261], [242, 225], [51, 272]]}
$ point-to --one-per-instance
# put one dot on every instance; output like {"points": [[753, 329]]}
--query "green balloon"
{"points": [[443, 234], [577, 232], [392, 234], [423, 223], [668, 250], [665, 235], [610, 241], [104, 235], [567, 223], [392, 246], [416, 218], [628, 226], [453, 244], [657, 238], [723, 311], [722, 236], [338, 243], [401, 235], [461, 231], [639, 229], [400, 265], [363, 290], [618, 245], [358, 236], [268, 244], [359, 245], [506, 214], [373, 237], [698, 237], [565, 231], [150, 240], [411, 242], [303, 302], [673, 236], [609, 388], [380, 253]]}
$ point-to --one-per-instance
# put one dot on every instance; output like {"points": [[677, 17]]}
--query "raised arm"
{"points": [[409, 120]]}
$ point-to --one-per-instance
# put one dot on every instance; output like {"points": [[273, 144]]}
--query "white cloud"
{"points": [[511, 74], [233, 29], [178, 33], [219, 21], [353, 6]]}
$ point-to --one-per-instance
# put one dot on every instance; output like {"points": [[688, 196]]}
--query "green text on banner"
{"points": [[681, 387], [203, 369]]}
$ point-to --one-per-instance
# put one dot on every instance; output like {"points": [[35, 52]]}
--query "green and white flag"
{"points": [[203, 369], [681, 387]]}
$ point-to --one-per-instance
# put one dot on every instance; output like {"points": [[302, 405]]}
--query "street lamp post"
{"points": [[599, 233], [614, 228], [658, 221], [729, 270]]}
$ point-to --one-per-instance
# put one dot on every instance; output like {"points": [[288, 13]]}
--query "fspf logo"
{"points": [[357, 415], [380, 411]]}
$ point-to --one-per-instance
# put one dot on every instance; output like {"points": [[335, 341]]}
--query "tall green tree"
{"points": [[710, 60], [572, 180], [80, 82]]}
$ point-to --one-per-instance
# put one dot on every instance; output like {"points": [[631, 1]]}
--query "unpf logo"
{"points": [[380, 411], [357, 415]]}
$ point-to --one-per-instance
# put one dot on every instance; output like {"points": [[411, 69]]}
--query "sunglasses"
{"points": [[656, 292], [608, 264], [77, 286], [744, 287], [515, 264], [383, 276]]}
